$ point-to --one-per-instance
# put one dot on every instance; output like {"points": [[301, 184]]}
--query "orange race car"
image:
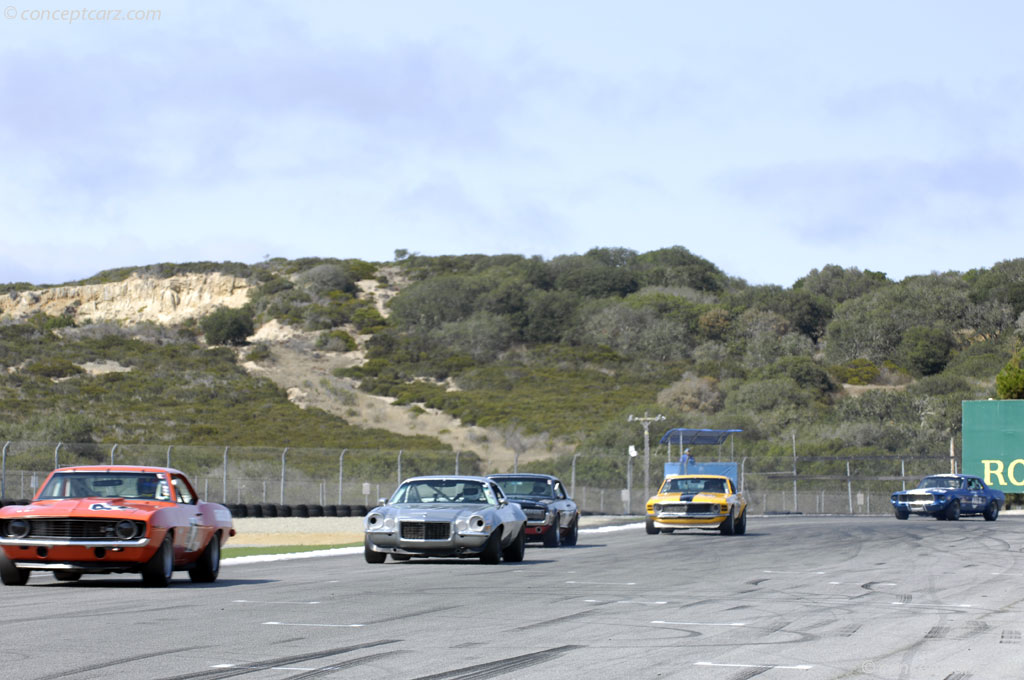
{"points": [[103, 519]]}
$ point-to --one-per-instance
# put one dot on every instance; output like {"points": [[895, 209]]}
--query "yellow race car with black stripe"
{"points": [[709, 502]]}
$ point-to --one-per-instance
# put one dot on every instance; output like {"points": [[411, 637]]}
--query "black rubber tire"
{"points": [[953, 511], [740, 527], [67, 576], [254, 510], [330, 511], [344, 510], [240, 510], [301, 510], [208, 566], [728, 527], [372, 556], [285, 511], [553, 538], [492, 549], [157, 573], [900, 514], [269, 510], [11, 575], [316, 511], [359, 511], [651, 529], [992, 511], [516, 551], [573, 534]]}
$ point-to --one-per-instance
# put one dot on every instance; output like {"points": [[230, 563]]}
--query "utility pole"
{"points": [[646, 421]]}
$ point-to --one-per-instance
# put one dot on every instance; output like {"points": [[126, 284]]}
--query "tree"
{"points": [[227, 326], [1010, 381]]}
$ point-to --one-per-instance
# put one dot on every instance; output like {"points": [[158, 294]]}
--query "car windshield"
{"points": [[939, 483], [527, 486], [134, 485], [694, 485], [444, 491]]}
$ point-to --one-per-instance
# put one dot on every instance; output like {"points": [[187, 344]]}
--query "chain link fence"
{"points": [[601, 482]]}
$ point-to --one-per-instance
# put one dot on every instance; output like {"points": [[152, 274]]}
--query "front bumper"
{"points": [[921, 507], [689, 522], [464, 543]]}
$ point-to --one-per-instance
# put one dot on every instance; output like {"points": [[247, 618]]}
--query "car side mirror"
{"points": [[382, 501]]}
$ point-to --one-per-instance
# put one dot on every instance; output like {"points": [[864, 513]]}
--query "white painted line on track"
{"points": [[600, 583], [623, 602], [801, 667], [268, 602], [316, 625], [694, 623], [770, 571], [613, 528], [923, 605], [252, 559]]}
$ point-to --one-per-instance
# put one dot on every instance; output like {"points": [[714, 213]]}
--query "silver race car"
{"points": [[446, 516]]}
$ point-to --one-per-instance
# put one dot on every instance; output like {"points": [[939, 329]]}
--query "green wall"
{"points": [[993, 446]]}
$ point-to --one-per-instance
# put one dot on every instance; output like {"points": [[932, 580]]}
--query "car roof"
{"points": [[118, 468], [523, 475], [697, 477], [450, 478]]}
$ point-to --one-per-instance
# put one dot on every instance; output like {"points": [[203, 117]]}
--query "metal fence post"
{"points": [[399, 466], [112, 449], [572, 491], [341, 472], [457, 461], [283, 455], [169, 455], [56, 456], [849, 487], [224, 495], [3, 473]]}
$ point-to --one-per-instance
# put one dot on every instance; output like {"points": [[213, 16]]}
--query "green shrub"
{"points": [[227, 326], [335, 341], [856, 372]]}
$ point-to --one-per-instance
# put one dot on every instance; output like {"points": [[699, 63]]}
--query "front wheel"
{"points": [[651, 529], [10, 574], [516, 551], [728, 527], [901, 514], [553, 538], [992, 511], [158, 571], [953, 511], [371, 555], [208, 566], [572, 535], [492, 549], [740, 527]]}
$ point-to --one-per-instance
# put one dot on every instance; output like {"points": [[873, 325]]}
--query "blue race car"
{"points": [[948, 497]]}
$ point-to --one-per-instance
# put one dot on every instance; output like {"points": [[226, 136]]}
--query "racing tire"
{"points": [[740, 527], [11, 575], [208, 566], [158, 571], [68, 576], [371, 555], [901, 514], [649, 526], [553, 538], [492, 549], [573, 534], [992, 511], [728, 527], [953, 511], [516, 551]]}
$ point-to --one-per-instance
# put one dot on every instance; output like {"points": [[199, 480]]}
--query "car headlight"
{"points": [[474, 523], [657, 508], [125, 530], [17, 528]]}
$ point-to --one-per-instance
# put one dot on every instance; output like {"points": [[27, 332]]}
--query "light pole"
{"points": [[646, 421], [629, 479]]}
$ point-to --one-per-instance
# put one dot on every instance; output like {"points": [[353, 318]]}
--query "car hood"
{"points": [[703, 497], [525, 502], [87, 507], [431, 512]]}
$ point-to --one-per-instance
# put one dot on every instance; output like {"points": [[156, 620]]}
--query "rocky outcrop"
{"points": [[136, 299]]}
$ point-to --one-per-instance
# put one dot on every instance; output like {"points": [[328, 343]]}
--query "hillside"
{"points": [[499, 354]]}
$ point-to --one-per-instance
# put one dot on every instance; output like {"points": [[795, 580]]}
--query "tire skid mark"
{"points": [[848, 630], [259, 667], [410, 615], [958, 675], [118, 662], [344, 665], [495, 669], [553, 622], [1010, 637], [748, 673]]}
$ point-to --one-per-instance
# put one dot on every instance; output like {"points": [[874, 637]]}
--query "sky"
{"points": [[771, 138]]}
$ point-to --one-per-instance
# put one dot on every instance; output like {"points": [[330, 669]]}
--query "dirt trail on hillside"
{"points": [[308, 377]]}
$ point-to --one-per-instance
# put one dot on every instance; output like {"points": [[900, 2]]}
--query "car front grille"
{"points": [[915, 498], [688, 508], [83, 529], [426, 531], [535, 514]]}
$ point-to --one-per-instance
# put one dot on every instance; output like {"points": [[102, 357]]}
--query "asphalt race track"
{"points": [[797, 598]]}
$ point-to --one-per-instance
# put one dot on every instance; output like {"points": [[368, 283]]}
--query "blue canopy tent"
{"points": [[685, 436]]}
